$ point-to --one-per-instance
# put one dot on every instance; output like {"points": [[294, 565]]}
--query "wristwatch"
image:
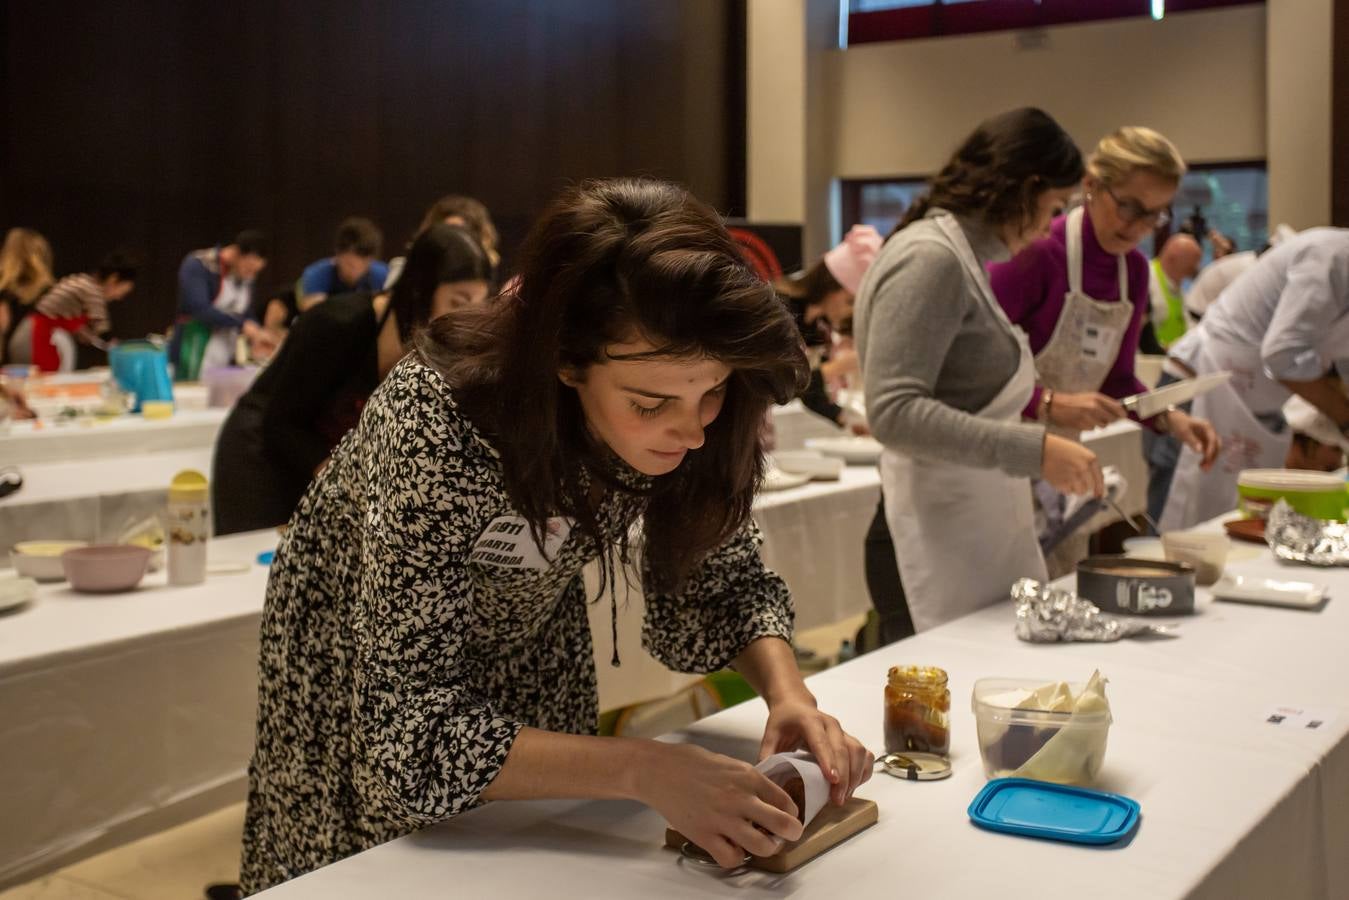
{"points": [[1046, 401]]}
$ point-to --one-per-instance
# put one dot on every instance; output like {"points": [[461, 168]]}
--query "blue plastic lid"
{"points": [[1054, 811]]}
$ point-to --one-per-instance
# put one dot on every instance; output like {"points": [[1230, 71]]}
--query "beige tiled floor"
{"points": [[177, 864], [174, 865]]}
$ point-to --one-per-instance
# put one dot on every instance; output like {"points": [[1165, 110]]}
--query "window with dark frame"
{"points": [[1230, 197], [872, 21]]}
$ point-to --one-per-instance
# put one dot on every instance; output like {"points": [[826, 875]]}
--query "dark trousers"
{"points": [[1162, 452], [887, 593]]}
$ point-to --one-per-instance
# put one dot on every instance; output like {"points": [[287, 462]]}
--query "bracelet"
{"points": [[1046, 401]]}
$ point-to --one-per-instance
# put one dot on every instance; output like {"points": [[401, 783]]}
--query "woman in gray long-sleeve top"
{"points": [[947, 376]]}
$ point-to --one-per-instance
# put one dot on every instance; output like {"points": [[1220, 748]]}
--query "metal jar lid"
{"points": [[916, 766]]}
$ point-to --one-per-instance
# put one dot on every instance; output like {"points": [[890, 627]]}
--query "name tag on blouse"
{"points": [[508, 543], [1099, 342]]}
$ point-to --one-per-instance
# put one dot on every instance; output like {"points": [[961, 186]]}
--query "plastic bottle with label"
{"points": [[186, 527]]}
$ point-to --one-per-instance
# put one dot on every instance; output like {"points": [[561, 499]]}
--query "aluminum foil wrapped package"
{"points": [[1045, 615], [1301, 539]]}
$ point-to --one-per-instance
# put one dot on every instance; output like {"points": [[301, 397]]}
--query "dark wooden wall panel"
{"points": [[166, 126]]}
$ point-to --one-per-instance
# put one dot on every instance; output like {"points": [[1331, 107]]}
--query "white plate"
{"points": [[15, 590], [857, 450], [809, 463], [778, 480], [1249, 589]]}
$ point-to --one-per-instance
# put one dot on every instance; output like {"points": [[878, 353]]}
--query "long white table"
{"points": [[92, 500], [1233, 806], [120, 714], [41, 441]]}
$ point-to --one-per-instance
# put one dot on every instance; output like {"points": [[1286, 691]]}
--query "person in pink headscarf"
{"points": [[821, 298]]}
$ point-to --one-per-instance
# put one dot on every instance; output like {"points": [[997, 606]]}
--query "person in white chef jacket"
{"points": [[1281, 329]]}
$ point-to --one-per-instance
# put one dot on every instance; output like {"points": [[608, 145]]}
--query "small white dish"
{"points": [[41, 560], [1270, 591], [15, 590], [777, 480], [809, 463]]}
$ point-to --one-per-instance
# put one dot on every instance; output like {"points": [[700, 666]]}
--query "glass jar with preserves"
{"points": [[917, 710]]}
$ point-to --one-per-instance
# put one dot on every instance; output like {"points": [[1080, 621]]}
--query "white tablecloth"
{"points": [[92, 499], [122, 713], [813, 538], [38, 441], [1233, 807]]}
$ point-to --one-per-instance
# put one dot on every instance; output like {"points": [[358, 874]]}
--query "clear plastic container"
{"points": [[1011, 740]]}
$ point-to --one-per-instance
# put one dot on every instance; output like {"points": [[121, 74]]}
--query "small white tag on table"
{"points": [[1293, 717]]}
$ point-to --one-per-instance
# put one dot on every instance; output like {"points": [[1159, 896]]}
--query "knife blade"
{"points": [[1150, 404]]}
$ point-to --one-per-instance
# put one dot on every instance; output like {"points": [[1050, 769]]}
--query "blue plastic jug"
{"points": [[141, 368]]}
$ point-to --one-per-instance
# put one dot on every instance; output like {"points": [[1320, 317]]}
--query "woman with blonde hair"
{"points": [[1081, 294], [25, 273]]}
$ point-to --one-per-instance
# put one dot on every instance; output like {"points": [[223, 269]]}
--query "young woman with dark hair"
{"points": [[425, 641], [282, 430], [947, 376], [821, 300]]}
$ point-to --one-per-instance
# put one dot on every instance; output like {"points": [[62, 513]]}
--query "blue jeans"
{"points": [[1162, 452]]}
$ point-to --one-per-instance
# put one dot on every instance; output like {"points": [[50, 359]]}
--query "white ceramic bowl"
{"points": [[41, 560], [1206, 552]]}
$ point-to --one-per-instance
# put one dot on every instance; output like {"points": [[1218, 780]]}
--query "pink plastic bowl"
{"points": [[105, 568]]}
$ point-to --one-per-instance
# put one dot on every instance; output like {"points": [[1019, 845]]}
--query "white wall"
{"points": [[1199, 78], [1300, 39]]}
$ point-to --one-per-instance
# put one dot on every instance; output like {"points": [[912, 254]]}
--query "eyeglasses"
{"points": [[1131, 211]]}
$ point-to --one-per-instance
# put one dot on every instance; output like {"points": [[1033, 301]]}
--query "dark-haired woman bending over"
{"points": [[425, 642]]}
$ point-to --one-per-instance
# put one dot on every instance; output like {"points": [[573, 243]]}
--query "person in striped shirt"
{"points": [[78, 305]]}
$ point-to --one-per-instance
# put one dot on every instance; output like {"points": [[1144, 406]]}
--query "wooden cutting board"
{"points": [[833, 826]]}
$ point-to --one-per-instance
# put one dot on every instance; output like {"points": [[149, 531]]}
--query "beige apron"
{"points": [[1087, 338], [1077, 359], [963, 535]]}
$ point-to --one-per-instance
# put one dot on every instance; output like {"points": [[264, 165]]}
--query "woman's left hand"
{"points": [[1197, 434], [796, 723]]}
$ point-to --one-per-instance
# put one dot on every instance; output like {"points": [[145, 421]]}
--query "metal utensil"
{"points": [[1145, 406], [1110, 502]]}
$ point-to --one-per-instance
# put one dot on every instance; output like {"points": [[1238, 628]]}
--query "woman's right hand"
{"points": [[1070, 467], [716, 802], [1085, 411]]}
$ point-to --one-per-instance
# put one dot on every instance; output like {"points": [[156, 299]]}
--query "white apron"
{"points": [[233, 298], [1089, 332], [1077, 359], [1247, 443], [963, 535]]}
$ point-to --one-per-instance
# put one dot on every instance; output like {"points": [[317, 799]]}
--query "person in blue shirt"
{"points": [[354, 266], [215, 300]]}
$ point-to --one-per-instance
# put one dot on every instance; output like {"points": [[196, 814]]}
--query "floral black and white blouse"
{"points": [[412, 627]]}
